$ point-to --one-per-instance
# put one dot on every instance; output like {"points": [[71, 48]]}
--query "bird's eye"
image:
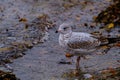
{"points": [[65, 28]]}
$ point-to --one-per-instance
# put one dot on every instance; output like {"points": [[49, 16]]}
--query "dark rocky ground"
{"points": [[28, 27]]}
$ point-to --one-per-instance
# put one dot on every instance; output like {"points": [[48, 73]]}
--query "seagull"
{"points": [[78, 43]]}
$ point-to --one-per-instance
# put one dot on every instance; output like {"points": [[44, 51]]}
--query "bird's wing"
{"points": [[82, 42]]}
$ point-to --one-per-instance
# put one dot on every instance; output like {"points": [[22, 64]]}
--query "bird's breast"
{"points": [[63, 40]]}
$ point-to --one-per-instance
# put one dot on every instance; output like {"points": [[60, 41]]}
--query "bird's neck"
{"points": [[67, 35]]}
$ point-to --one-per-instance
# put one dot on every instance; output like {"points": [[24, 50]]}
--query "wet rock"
{"points": [[26, 38], [7, 76], [111, 14], [4, 69]]}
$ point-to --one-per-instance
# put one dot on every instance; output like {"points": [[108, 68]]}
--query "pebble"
{"points": [[87, 76]]}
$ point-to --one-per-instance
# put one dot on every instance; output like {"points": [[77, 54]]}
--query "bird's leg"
{"points": [[77, 70], [77, 63]]}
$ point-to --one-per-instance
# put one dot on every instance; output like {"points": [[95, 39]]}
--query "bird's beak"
{"points": [[57, 31]]}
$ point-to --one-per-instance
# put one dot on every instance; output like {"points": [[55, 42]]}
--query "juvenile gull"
{"points": [[77, 43]]}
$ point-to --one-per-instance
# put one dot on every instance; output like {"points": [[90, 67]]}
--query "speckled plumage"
{"points": [[80, 44], [76, 41]]}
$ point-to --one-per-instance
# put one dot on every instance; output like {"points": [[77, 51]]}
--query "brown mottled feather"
{"points": [[83, 44]]}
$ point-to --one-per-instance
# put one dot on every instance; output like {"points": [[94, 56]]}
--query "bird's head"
{"points": [[64, 28]]}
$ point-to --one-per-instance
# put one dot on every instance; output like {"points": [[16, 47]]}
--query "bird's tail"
{"points": [[106, 41], [113, 40]]}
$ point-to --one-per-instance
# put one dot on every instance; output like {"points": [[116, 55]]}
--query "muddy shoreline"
{"points": [[27, 30]]}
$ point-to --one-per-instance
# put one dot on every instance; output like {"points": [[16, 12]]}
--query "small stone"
{"points": [[35, 41], [87, 76]]}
